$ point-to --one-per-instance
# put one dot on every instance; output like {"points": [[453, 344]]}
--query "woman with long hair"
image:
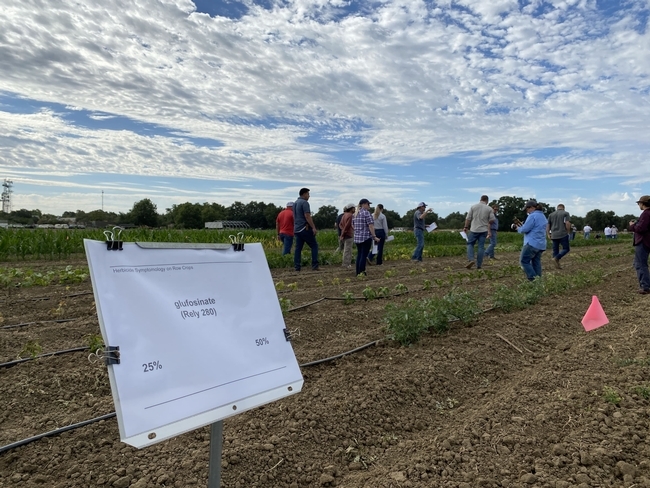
{"points": [[381, 230]]}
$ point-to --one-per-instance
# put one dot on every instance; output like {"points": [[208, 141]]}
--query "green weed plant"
{"points": [[368, 293], [285, 305], [642, 391], [30, 349], [611, 396]]}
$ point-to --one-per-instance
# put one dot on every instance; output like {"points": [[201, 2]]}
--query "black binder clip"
{"points": [[113, 242], [287, 334], [237, 241], [111, 355]]}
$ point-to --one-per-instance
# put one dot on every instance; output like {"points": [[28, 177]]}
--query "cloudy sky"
{"points": [[395, 101]]}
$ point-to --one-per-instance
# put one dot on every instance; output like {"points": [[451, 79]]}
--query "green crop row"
{"points": [[406, 322], [57, 244]]}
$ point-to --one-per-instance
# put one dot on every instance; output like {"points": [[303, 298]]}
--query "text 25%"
{"points": [[153, 366], [262, 342]]}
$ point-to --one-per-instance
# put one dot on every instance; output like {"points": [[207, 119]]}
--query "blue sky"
{"points": [[395, 101]]}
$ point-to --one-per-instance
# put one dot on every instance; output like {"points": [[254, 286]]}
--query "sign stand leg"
{"points": [[216, 445]]}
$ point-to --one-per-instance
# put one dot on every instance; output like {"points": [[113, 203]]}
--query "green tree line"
{"points": [[260, 215]]}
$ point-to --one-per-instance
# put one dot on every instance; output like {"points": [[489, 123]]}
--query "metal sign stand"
{"points": [[216, 445]]}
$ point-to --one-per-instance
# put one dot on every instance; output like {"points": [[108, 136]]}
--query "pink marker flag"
{"points": [[595, 316]]}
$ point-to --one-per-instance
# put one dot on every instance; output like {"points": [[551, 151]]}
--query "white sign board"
{"points": [[200, 332]]}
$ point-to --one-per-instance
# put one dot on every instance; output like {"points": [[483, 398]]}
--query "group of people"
{"points": [[610, 232], [356, 225]]}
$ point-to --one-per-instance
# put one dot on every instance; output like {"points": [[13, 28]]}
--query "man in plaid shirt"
{"points": [[364, 234]]}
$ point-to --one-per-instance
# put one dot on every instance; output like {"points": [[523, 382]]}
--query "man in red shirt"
{"points": [[284, 227], [641, 229]]}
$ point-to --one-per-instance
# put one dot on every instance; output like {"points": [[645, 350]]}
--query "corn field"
{"points": [[58, 244]]}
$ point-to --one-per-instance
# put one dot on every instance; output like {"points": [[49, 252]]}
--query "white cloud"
{"points": [[404, 83]]}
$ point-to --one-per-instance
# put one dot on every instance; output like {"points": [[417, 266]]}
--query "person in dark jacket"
{"points": [[641, 229]]}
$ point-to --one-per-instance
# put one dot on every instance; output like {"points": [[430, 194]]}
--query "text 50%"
{"points": [[262, 342], [153, 366]]}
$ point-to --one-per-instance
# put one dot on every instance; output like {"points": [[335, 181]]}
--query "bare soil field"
{"points": [[520, 399]]}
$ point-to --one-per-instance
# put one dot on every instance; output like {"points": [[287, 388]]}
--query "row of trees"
{"points": [[262, 215]]}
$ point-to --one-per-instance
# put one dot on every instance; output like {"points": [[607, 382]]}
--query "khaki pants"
{"points": [[347, 251]]}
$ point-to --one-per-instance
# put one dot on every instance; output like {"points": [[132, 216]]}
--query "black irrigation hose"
{"points": [[51, 433], [338, 356], [35, 299], [56, 353], [36, 322], [379, 297]]}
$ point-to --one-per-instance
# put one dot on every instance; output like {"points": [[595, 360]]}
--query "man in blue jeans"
{"points": [[478, 222], [304, 230], [558, 229], [641, 229], [418, 230], [534, 231], [284, 228]]}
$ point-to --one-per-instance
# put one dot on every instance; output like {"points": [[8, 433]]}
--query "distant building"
{"points": [[227, 224]]}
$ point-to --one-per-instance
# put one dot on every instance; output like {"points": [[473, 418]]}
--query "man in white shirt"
{"points": [[587, 230], [608, 232], [478, 223]]}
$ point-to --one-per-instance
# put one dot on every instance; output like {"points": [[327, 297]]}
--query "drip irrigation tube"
{"points": [[51, 433], [35, 299], [48, 354], [332, 358], [36, 322]]}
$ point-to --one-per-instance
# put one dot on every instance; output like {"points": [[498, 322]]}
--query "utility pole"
{"points": [[102, 200], [6, 195]]}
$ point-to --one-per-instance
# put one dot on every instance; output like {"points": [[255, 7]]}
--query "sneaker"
{"points": [[316, 269], [470, 265], [369, 262], [557, 263], [643, 292], [493, 258]]}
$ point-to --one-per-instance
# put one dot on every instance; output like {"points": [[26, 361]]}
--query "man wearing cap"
{"points": [[478, 222], [558, 229], [534, 231], [304, 230], [284, 227], [641, 229], [364, 234], [418, 230], [347, 234]]}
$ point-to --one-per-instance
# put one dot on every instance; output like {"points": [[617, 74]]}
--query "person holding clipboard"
{"points": [[381, 230], [418, 229]]}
